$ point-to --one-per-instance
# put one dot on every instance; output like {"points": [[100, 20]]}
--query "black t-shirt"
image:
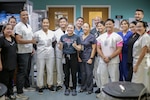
{"points": [[131, 42], [8, 53]]}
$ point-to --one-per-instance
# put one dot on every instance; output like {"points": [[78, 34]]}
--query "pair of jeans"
{"points": [[70, 65], [23, 72]]}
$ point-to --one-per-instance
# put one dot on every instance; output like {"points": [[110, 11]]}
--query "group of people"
{"points": [[97, 54]]}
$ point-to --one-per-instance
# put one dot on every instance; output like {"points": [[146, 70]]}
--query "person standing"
{"points": [[70, 44], [86, 56], [45, 55], [63, 22], [79, 31], [125, 34], [25, 41], [140, 49], [100, 30], [130, 44], [12, 21], [8, 59], [109, 46], [139, 15]]}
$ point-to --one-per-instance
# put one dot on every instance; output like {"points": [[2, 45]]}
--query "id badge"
{"points": [[105, 43]]}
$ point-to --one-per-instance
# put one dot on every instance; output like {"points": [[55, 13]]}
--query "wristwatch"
{"points": [[91, 58]]}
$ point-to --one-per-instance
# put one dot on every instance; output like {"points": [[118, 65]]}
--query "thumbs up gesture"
{"points": [[74, 44]]}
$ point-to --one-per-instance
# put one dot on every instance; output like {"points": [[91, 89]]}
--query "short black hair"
{"points": [[12, 17], [134, 22], [44, 18], [145, 25], [22, 10], [109, 19], [141, 10], [63, 18], [101, 22], [79, 18]]}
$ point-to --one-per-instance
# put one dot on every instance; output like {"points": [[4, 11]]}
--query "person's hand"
{"points": [[33, 41], [33, 52], [74, 44], [1, 67], [60, 45], [106, 60], [89, 61], [135, 68], [79, 59]]}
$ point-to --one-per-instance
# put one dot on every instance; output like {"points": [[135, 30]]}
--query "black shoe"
{"points": [[74, 92], [94, 85], [79, 81], [98, 90], [12, 97], [51, 88], [40, 91], [67, 92], [82, 90], [58, 88], [89, 92]]}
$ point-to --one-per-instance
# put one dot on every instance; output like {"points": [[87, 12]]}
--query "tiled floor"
{"points": [[48, 95]]}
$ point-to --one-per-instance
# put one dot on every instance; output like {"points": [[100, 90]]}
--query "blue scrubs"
{"points": [[123, 67]]}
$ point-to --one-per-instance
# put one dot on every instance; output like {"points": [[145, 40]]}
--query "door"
{"points": [[54, 13], [89, 13]]}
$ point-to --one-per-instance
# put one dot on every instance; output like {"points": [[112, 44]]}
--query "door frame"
{"points": [[97, 6], [61, 6]]}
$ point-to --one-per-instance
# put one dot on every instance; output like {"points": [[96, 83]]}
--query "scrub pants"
{"points": [[59, 67], [138, 77], [86, 76], [41, 63], [95, 74], [108, 70]]}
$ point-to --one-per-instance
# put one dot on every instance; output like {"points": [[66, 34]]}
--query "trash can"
{"points": [[3, 90]]}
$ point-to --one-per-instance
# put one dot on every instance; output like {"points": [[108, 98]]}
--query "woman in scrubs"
{"points": [[86, 56], [140, 49], [131, 42], [45, 55], [125, 34]]}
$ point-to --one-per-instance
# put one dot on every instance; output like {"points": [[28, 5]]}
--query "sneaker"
{"points": [[22, 96], [67, 92], [40, 91], [58, 88], [6, 98], [98, 90], [89, 92], [51, 88], [29, 89], [74, 92], [99, 95], [12, 97]]}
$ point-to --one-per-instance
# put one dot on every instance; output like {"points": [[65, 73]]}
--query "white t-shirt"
{"points": [[44, 43], [108, 43], [58, 34], [25, 31]]}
